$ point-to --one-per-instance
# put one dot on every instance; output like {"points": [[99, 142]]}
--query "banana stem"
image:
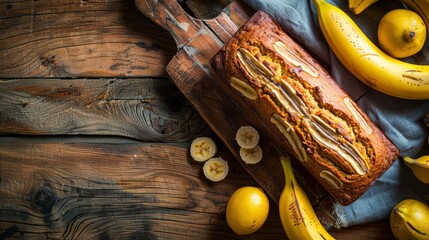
{"points": [[319, 4], [408, 159], [287, 168]]}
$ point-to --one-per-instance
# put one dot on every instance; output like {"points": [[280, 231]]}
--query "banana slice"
{"points": [[215, 169], [203, 148], [251, 156], [247, 137]]}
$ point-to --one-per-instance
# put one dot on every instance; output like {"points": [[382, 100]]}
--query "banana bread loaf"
{"points": [[302, 109]]}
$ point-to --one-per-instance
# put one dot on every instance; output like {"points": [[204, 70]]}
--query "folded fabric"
{"points": [[401, 120]]}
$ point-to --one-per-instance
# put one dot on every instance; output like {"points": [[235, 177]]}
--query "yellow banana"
{"points": [[419, 166], [366, 61], [296, 213], [419, 6], [357, 6]]}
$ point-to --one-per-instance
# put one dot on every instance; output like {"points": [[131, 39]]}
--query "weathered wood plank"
{"points": [[124, 191], [80, 38], [115, 191], [143, 109]]}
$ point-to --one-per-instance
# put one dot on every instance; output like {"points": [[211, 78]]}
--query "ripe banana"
{"points": [[409, 220], [203, 148], [215, 169], [251, 156], [420, 6], [357, 6], [366, 61], [247, 137], [296, 213], [419, 166]]}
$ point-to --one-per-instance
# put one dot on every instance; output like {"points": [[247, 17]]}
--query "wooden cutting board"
{"points": [[197, 42]]}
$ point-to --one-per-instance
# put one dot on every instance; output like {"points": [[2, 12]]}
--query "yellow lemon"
{"points": [[247, 210], [409, 219], [401, 33]]}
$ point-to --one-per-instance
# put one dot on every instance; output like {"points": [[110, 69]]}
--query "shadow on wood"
{"points": [[115, 191], [143, 109]]}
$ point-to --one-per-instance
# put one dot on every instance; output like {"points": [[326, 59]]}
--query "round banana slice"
{"points": [[203, 148], [215, 169], [247, 137], [251, 156]]}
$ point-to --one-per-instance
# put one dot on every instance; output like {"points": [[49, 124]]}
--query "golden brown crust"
{"points": [[299, 105]]}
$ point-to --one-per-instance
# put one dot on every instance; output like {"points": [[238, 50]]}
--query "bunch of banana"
{"points": [[296, 212], [421, 7], [419, 166], [366, 61]]}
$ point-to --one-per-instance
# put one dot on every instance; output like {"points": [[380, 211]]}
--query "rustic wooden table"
{"points": [[94, 136]]}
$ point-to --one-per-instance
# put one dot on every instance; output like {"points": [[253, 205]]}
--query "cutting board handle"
{"points": [[172, 17]]}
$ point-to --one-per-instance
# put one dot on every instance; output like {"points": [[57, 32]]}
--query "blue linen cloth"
{"points": [[401, 120]]}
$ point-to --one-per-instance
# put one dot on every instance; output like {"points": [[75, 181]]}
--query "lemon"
{"points": [[247, 210], [401, 33], [409, 219]]}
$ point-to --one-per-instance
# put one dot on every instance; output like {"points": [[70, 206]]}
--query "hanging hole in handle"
{"points": [[203, 9]]}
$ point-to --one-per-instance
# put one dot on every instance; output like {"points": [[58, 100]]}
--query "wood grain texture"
{"points": [[143, 109], [115, 191], [80, 38], [124, 191]]}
